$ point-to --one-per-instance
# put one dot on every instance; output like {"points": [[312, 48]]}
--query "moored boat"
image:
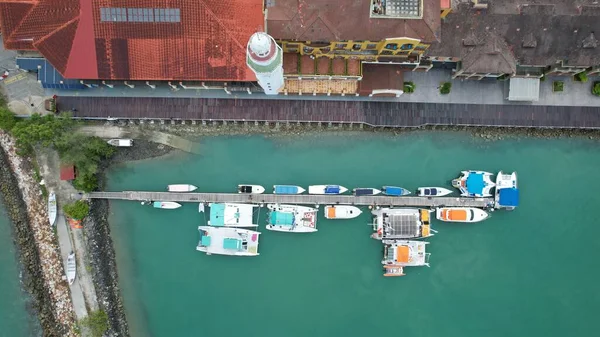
{"points": [[393, 270], [181, 188], [365, 191], [401, 223], [292, 218], [507, 193], [461, 214], [474, 184], [395, 191], [433, 191], [119, 142], [342, 212], [71, 268], [405, 253], [251, 189], [288, 189], [326, 189], [166, 204], [52, 208], [228, 241], [232, 215]]}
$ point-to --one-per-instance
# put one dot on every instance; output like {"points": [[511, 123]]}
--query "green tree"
{"points": [[96, 322], [77, 210], [7, 119]]}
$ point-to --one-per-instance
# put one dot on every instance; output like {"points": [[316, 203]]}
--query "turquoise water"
{"points": [[530, 272], [14, 318]]}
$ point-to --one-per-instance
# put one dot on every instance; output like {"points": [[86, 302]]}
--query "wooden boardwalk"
{"points": [[306, 199], [371, 113]]}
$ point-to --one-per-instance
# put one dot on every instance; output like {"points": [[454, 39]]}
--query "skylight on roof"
{"points": [[140, 14], [397, 9]]}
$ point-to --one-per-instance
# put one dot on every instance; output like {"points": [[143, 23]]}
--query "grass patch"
{"points": [[445, 88], [558, 86], [409, 87], [77, 210], [581, 77], [596, 89]]}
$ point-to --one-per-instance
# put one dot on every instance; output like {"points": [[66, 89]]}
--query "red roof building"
{"points": [[67, 172], [192, 40]]}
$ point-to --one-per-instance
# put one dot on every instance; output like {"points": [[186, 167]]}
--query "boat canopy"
{"points": [[363, 191], [286, 189], [475, 183], [402, 254], [393, 191], [229, 243], [430, 191], [332, 189], [509, 197], [217, 215], [281, 218], [205, 240]]}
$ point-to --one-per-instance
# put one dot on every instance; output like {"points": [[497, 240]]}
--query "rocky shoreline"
{"points": [[36, 243]]}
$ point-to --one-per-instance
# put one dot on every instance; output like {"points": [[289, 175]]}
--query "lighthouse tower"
{"points": [[265, 58]]}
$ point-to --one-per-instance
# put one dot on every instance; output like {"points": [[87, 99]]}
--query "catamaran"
{"points": [[228, 241], [181, 188], [474, 184], [433, 191], [405, 253], [401, 223], [71, 268], [507, 192], [166, 204], [287, 189], [395, 191], [233, 215], [292, 218], [461, 214], [326, 189], [342, 212], [52, 208]]}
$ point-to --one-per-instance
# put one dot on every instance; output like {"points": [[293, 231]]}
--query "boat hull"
{"points": [[52, 209], [288, 189], [440, 191], [326, 189], [461, 214], [181, 188], [71, 268], [342, 212]]}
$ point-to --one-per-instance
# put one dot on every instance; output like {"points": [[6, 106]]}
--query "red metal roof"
{"points": [[207, 43], [67, 172]]}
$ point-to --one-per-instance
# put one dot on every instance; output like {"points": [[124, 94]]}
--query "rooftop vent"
{"points": [[590, 41], [401, 9], [529, 41]]}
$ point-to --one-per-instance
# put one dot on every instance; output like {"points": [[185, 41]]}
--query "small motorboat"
{"points": [[71, 268], [287, 189], [395, 191], [461, 214], [166, 204], [121, 142], [326, 189], [52, 209], [391, 271], [433, 191], [365, 191], [181, 188], [251, 189], [342, 212]]}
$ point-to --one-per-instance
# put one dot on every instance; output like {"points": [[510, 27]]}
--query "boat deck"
{"points": [[306, 199]]}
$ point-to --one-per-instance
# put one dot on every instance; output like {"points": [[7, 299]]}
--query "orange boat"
{"points": [[461, 214]]}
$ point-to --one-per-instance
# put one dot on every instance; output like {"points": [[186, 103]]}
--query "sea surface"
{"points": [[530, 272], [15, 320]]}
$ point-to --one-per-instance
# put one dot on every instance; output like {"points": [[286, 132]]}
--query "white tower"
{"points": [[265, 58]]}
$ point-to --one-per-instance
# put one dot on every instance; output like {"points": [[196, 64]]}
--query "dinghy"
{"points": [[71, 268], [52, 209]]}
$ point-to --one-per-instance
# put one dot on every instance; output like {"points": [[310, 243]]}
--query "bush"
{"points": [[445, 88], [77, 210], [581, 77], [96, 322], [596, 88], [7, 119], [409, 87], [558, 86]]}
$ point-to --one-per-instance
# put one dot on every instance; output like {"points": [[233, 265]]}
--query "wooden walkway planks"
{"points": [[307, 199], [373, 113]]}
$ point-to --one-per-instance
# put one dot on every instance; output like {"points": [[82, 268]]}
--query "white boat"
{"points": [[474, 184], [228, 241], [233, 215], [292, 218], [326, 189], [52, 209], [287, 189], [342, 212], [405, 253], [433, 191], [461, 214], [365, 191], [401, 223], [71, 268], [181, 188], [251, 189], [120, 142], [166, 204], [393, 270], [507, 192]]}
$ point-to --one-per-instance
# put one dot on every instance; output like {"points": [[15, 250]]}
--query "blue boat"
{"points": [[326, 189], [287, 189], [395, 191]]}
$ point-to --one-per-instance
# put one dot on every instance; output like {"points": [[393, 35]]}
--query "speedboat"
{"points": [[166, 204], [507, 192], [401, 223], [394, 191], [232, 215], [228, 241], [251, 189], [287, 189], [365, 191], [292, 218], [181, 188], [405, 253], [342, 212], [71, 268], [52, 208], [474, 184], [433, 191], [326, 189], [393, 270], [461, 214]]}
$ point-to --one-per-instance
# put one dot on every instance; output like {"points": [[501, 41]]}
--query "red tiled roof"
{"points": [[67, 172], [209, 42]]}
